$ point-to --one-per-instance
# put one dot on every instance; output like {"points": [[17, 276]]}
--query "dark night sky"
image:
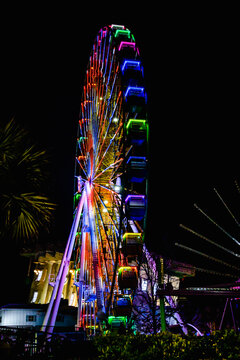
{"points": [[190, 63]]}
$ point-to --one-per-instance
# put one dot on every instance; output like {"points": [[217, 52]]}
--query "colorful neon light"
{"points": [[138, 236], [120, 319], [127, 269], [137, 123], [127, 44], [114, 26], [140, 198], [135, 91], [136, 158], [131, 64], [122, 32]]}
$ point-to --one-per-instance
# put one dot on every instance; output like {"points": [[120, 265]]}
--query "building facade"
{"points": [[45, 271]]}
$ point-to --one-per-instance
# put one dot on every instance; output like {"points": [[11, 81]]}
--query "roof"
{"points": [[24, 306], [62, 309]]}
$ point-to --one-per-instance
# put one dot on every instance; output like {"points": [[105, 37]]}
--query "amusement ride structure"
{"points": [[110, 183], [107, 236]]}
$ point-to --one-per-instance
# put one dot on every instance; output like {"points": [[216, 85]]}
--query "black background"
{"points": [[190, 57]]}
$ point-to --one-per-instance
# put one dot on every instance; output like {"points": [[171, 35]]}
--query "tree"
{"points": [[146, 304], [24, 209]]}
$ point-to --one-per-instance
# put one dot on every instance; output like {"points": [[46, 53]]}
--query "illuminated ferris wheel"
{"points": [[110, 183]]}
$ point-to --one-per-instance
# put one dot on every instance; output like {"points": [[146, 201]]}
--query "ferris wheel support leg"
{"points": [[82, 269], [55, 288], [80, 310], [53, 310]]}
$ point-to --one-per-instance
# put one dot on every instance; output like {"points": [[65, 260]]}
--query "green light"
{"points": [[129, 269], [110, 319], [120, 319], [122, 32], [137, 123], [82, 138], [137, 236], [77, 196]]}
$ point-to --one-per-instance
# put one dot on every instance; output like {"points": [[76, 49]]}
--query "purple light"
{"points": [[125, 44], [136, 197]]}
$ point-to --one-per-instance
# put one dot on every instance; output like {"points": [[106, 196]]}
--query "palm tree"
{"points": [[24, 208]]}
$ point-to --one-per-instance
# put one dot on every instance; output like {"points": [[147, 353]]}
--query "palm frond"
{"points": [[36, 212], [34, 164], [10, 136], [25, 215], [24, 210]]}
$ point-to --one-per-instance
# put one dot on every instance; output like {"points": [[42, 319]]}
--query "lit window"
{"points": [[71, 300], [144, 285], [32, 318], [39, 275], [34, 298]]}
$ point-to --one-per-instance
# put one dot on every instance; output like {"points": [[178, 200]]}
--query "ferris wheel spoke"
{"points": [[106, 77], [110, 116], [80, 164], [105, 108], [102, 129], [101, 240], [106, 211], [107, 188], [107, 168], [107, 55], [103, 229], [115, 173], [109, 145]]}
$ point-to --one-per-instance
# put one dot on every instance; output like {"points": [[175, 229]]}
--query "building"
{"points": [[32, 315], [44, 275]]}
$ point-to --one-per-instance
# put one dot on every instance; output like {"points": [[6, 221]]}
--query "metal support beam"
{"points": [[185, 292], [53, 306]]}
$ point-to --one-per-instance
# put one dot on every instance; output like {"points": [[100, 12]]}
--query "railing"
{"points": [[24, 343]]}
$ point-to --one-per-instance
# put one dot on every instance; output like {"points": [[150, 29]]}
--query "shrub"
{"points": [[167, 346]]}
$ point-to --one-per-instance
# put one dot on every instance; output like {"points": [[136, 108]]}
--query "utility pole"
{"points": [[160, 269]]}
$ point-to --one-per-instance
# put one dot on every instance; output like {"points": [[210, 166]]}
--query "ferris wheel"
{"points": [[110, 183]]}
